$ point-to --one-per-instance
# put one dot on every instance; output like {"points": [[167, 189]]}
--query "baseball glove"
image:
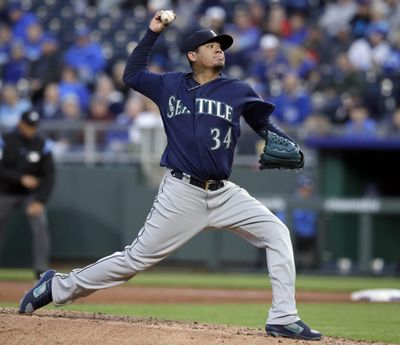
{"points": [[280, 153]]}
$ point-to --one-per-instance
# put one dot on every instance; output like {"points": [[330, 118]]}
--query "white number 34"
{"points": [[216, 135]]}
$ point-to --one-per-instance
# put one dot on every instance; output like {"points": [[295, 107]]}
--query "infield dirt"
{"points": [[58, 327], [48, 327]]}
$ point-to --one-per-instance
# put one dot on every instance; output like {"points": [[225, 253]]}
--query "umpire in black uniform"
{"points": [[26, 180]]}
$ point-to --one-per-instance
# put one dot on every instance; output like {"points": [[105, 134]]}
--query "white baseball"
{"points": [[167, 17]]}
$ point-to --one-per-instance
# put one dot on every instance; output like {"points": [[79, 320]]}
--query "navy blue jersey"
{"points": [[202, 122]]}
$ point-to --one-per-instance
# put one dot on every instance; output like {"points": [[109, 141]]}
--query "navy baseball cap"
{"points": [[30, 117], [200, 37]]}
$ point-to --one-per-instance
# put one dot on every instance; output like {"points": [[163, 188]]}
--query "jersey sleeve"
{"points": [[137, 76]]}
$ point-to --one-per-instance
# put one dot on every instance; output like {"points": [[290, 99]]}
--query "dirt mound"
{"points": [[48, 327]]}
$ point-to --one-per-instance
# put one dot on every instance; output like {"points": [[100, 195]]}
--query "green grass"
{"points": [[236, 281], [372, 322], [261, 281], [354, 321], [19, 274]]}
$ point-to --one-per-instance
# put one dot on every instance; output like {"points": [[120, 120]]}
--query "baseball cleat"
{"points": [[39, 296], [296, 330]]}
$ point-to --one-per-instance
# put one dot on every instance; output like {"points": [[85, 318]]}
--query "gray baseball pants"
{"points": [[180, 211]]}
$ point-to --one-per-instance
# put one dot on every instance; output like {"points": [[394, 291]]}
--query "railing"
{"points": [[86, 147], [90, 146], [89, 143]]}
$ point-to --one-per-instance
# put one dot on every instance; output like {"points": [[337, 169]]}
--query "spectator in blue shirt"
{"points": [[105, 88], [293, 103], [304, 224], [118, 140], [70, 138], [269, 62], [49, 107], [20, 20], [360, 21], [360, 125], [11, 106], [246, 36], [85, 56], [33, 41], [298, 30], [5, 44], [17, 67], [71, 85]]}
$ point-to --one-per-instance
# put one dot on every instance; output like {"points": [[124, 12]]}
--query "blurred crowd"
{"points": [[325, 64]]}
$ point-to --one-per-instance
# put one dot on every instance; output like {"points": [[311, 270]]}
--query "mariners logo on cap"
{"points": [[201, 37]]}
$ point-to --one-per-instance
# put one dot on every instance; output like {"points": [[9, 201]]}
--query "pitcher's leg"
{"points": [[282, 273], [281, 268], [41, 242], [241, 213], [177, 215]]}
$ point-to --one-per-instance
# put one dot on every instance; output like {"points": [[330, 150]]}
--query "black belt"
{"points": [[203, 184]]}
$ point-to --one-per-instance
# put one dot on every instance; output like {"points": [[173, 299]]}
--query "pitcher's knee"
{"points": [[278, 230], [277, 237]]}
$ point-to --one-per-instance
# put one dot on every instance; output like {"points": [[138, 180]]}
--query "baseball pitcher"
{"points": [[201, 113]]}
